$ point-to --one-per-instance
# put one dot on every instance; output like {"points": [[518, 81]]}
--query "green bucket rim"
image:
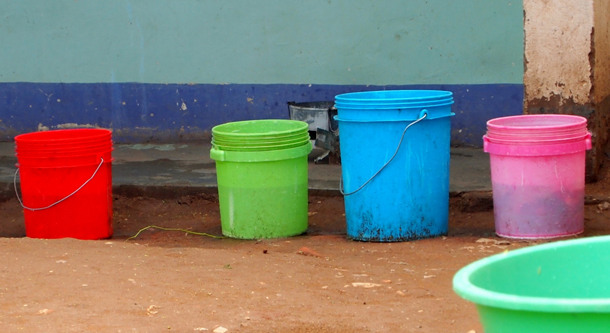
{"points": [[480, 296], [256, 143], [260, 156], [259, 148], [285, 128], [258, 140]]}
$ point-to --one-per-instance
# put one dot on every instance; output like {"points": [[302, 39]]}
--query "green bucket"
{"points": [[262, 194], [556, 287]]}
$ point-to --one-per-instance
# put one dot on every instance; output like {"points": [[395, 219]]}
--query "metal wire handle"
{"points": [[424, 114], [51, 205]]}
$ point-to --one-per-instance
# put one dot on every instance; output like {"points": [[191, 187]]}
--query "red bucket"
{"points": [[69, 194]]}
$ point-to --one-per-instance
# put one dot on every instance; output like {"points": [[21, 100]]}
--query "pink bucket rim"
{"points": [[548, 149], [527, 123], [548, 140]]}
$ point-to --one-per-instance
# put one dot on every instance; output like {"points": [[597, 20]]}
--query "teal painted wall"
{"points": [[336, 42]]}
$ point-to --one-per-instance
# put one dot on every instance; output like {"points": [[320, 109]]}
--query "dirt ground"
{"points": [[174, 281]]}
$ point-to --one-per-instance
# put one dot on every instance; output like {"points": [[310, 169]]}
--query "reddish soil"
{"points": [[174, 281]]}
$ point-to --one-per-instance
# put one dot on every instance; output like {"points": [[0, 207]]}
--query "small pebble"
{"points": [[220, 329]]}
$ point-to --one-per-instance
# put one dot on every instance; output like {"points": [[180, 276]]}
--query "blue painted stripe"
{"points": [[140, 112]]}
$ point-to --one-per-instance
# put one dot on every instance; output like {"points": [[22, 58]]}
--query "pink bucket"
{"points": [[538, 174]]}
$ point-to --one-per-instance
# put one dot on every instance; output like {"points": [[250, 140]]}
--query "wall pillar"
{"points": [[567, 65]]}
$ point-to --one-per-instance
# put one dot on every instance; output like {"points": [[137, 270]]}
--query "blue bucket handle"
{"points": [[61, 200], [422, 115]]}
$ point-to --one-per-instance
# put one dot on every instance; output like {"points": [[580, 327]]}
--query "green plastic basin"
{"points": [[556, 287]]}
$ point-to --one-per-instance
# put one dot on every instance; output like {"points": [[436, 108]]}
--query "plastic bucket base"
{"points": [[538, 197], [263, 194], [409, 199], [538, 174], [527, 237], [55, 164], [85, 215], [406, 198]]}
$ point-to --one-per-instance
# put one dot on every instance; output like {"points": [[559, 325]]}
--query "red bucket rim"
{"points": [[36, 162], [61, 145], [62, 166], [64, 135], [63, 149], [65, 154]]}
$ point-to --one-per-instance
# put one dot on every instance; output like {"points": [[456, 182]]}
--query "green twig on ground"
{"points": [[174, 229]]}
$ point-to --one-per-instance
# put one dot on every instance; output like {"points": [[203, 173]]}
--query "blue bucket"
{"points": [[395, 165]]}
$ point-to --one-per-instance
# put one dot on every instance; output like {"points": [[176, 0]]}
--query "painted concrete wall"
{"points": [[170, 70]]}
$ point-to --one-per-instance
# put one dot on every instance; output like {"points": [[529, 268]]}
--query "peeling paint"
{"points": [[601, 43], [567, 58], [42, 128], [74, 125]]}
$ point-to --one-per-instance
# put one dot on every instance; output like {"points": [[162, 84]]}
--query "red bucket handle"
{"points": [[53, 204]]}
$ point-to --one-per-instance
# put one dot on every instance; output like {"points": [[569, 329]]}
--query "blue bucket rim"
{"points": [[394, 103], [407, 95], [480, 296], [394, 107], [429, 117]]}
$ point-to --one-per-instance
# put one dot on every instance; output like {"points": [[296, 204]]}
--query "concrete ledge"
{"points": [[173, 170]]}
